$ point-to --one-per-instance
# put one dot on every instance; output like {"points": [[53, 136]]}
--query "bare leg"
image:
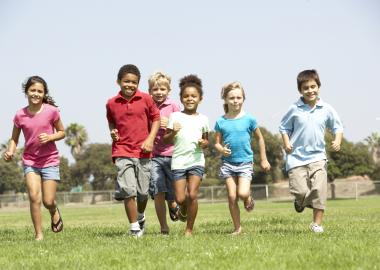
{"points": [[141, 205], [318, 216], [233, 203], [194, 182], [159, 203], [49, 189], [33, 184], [180, 195], [244, 190], [131, 209]]}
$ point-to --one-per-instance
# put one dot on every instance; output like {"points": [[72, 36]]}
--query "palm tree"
{"points": [[76, 138], [373, 142]]}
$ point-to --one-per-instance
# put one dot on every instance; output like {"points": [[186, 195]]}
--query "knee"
{"points": [[243, 195], [48, 203], [180, 199], [232, 197], [193, 195], [35, 197]]}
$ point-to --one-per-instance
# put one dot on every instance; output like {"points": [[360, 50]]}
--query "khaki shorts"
{"points": [[133, 175], [308, 183]]}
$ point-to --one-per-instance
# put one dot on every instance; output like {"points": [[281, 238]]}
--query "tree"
{"points": [[67, 182], [76, 138], [352, 159], [373, 143], [11, 177], [94, 164], [273, 146]]}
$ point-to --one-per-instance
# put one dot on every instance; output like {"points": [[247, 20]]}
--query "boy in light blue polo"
{"points": [[303, 131]]}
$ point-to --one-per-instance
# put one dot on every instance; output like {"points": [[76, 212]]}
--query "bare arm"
{"points": [[171, 133], [203, 142], [58, 135], [286, 141], [147, 145], [335, 144], [8, 155], [224, 150], [113, 132], [264, 164]]}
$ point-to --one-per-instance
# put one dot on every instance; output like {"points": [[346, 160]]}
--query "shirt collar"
{"points": [[300, 103], [136, 95]]}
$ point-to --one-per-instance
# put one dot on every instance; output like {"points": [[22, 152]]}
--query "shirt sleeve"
{"points": [[206, 126], [56, 116], [16, 121], [171, 121], [154, 112], [333, 122], [109, 114], [217, 127], [253, 123], [286, 125]]}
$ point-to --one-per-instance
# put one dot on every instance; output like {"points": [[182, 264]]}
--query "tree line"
{"points": [[94, 170]]}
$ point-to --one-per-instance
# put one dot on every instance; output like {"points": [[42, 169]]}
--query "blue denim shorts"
{"points": [[161, 178], [184, 173], [47, 173], [243, 169]]}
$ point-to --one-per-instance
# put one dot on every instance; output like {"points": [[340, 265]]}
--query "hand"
{"points": [[164, 122], [226, 150], [44, 138], [115, 135], [288, 148], [264, 164], [335, 145], [8, 156], [202, 143], [176, 127], [147, 146]]}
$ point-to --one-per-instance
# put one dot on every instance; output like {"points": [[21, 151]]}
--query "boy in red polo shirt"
{"points": [[133, 121]]}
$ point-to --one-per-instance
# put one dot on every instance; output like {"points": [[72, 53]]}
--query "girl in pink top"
{"points": [[41, 125]]}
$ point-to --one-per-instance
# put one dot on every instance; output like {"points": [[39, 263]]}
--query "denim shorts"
{"points": [[184, 173], [243, 169], [47, 173], [161, 178]]}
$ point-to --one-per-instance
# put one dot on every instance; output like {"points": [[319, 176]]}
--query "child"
{"points": [[161, 182], [189, 132], [303, 131], [233, 135], [41, 125], [133, 121]]}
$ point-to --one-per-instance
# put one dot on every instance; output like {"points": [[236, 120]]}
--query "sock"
{"points": [[141, 216], [135, 226]]}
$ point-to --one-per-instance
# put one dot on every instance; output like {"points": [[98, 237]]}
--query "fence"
{"points": [[336, 190]]}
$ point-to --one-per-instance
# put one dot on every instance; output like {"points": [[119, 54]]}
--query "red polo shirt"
{"points": [[133, 119]]}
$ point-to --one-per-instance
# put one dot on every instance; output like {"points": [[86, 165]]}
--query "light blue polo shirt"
{"points": [[305, 127]]}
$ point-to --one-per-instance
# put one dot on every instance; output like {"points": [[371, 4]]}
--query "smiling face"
{"points": [[159, 93], [190, 99], [310, 92], [234, 100], [128, 85], [35, 94]]}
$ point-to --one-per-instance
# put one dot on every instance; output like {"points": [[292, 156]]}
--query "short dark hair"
{"points": [[307, 75], [128, 69], [190, 81]]}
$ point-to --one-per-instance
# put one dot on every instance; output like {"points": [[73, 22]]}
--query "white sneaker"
{"points": [[314, 227], [136, 233]]}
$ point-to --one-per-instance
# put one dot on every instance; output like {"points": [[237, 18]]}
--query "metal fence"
{"points": [[211, 194]]}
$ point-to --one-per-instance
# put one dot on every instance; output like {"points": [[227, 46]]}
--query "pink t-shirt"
{"points": [[161, 149], [36, 154]]}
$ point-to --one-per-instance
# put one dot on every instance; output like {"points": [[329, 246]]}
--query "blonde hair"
{"points": [[229, 87], [159, 78]]}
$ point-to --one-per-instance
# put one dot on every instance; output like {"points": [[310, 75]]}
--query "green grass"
{"points": [[275, 237]]}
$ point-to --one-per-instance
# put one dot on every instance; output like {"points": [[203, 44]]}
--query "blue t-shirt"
{"points": [[238, 134]]}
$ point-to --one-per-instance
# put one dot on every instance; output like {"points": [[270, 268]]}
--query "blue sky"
{"points": [[79, 46]]}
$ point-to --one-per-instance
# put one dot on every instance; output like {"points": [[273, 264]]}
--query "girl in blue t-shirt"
{"points": [[233, 135]]}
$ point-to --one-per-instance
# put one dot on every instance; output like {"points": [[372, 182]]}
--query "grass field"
{"points": [[275, 237]]}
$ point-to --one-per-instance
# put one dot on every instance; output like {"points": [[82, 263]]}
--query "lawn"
{"points": [[275, 237]]}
